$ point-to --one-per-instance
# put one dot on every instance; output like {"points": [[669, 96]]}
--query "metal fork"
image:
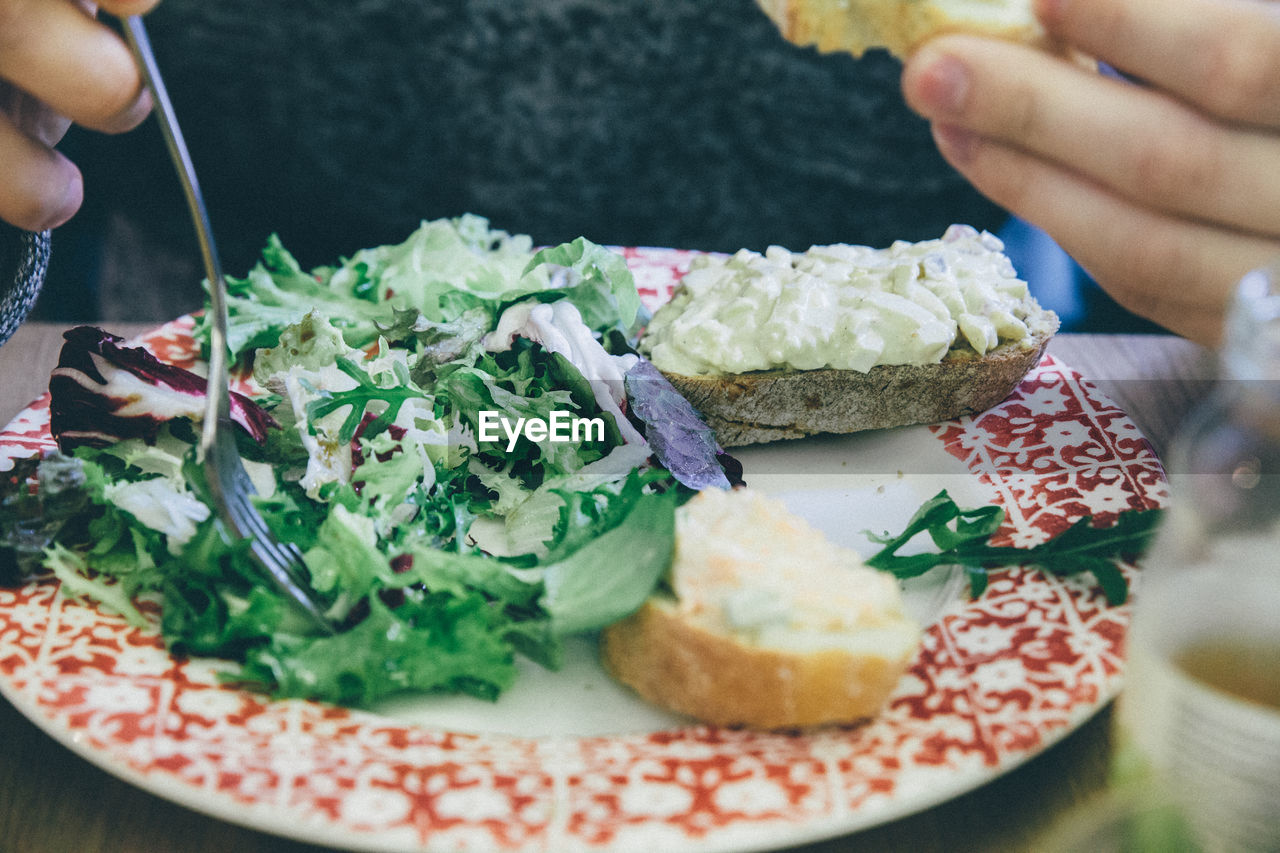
{"points": [[228, 482]]}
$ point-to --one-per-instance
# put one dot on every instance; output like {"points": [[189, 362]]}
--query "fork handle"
{"points": [[217, 401]]}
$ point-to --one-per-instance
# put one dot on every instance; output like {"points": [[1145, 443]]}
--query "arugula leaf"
{"points": [[358, 399], [961, 536]]}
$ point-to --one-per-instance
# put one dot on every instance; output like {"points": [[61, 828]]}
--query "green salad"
{"points": [[455, 431]]}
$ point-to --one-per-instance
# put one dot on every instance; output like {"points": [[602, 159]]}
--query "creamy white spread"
{"points": [[746, 565], [842, 306]]}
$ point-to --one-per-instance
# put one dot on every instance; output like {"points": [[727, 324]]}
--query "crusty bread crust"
{"points": [[679, 665], [899, 25], [770, 405]]}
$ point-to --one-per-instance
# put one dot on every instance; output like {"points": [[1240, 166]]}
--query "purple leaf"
{"points": [[102, 392], [683, 443]]}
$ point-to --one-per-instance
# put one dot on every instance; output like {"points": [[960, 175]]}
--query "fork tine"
{"points": [[228, 482], [282, 561]]}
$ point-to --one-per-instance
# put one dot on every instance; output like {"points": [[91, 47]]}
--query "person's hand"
{"points": [[59, 65], [1166, 191]]}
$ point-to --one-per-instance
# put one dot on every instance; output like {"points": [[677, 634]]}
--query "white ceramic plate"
{"points": [[569, 761]]}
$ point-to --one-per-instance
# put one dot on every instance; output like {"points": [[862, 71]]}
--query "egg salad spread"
{"points": [[842, 306]]}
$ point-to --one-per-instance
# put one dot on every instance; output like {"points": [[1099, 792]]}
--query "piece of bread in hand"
{"points": [[900, 26], [764, 623], [842, 338]]}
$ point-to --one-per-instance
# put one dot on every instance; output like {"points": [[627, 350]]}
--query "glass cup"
{"points": [[1200, 709], [1196, 762], [1199, 718]]}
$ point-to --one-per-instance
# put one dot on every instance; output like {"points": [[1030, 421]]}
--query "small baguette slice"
{"points": [[767, 624], [899, 25], [771, 405], [682, 666]]}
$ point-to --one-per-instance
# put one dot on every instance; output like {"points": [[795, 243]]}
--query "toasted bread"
{"points": [[900, 26], [766, 624], [771, 405]]}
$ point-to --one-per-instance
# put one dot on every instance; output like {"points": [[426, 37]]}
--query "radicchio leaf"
{"points": [[683, 443], [102, 392]]}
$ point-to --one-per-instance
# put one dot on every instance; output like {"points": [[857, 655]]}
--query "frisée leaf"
{"points": [[428, 642]]}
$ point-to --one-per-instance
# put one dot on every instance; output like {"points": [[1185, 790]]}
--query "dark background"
{"points": [[634, 122]]}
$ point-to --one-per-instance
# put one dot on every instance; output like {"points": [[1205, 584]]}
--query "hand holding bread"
{"points": [[1166, 191]]}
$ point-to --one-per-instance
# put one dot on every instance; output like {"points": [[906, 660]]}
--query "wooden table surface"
{"points": [[52, 800]]}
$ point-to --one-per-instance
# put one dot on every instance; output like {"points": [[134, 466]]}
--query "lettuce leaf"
{"points": [[447, 266], [278, 293], [429, 642], [440, 270], [610, 558], [596, 280]]}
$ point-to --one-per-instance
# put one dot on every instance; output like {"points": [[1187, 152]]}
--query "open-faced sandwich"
{"points": [[845, 338]]}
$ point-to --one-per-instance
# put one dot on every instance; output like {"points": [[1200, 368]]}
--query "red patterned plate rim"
{"points": [[997, 681]]}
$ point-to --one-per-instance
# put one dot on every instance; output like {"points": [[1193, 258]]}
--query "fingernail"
{"points": [[72, 198], [942, 83], [955, 143], [130, 117]]}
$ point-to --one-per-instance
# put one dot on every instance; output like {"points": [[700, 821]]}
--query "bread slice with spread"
{"points": [[845, 338], [899, 25], [763, 623]]}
